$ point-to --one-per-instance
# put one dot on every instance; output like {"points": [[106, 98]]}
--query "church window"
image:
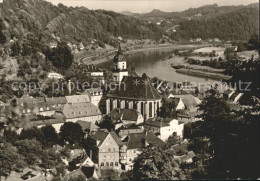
{"points": [[150, 109]]}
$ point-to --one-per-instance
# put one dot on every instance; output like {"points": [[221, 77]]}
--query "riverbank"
{"points": [[99, 59], [204, 74]]}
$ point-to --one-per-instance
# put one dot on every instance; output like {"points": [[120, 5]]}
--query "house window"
{"points": [[107, 164], [109, 149], [116, 164], [102, 164], [111, 164], [114, 149]]}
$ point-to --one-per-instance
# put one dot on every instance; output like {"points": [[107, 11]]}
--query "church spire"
{"points": [[119, 49]]}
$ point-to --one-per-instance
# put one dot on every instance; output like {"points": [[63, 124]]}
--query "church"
{"points": [[120, 67], [132, 92]]}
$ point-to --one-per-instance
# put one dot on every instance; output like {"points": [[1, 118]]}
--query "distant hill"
{"points": [[158, 13], [210, 21], [20, 17], [128, 13], [235, 25]]}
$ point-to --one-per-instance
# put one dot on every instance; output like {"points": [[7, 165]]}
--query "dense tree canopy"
{"points": [[72, 133], [61, 57]]}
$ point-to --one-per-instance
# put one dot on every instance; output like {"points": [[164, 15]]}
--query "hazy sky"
{"points": [[147, 5]]}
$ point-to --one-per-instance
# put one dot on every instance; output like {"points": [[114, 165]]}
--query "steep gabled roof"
{"points": [[137, 141], [80, 110], [156, 123], [101, 136], [135, 88], [78, 98], [87, 125]]}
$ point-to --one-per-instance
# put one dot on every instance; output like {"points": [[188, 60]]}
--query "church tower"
{"points": [[120, 67]]}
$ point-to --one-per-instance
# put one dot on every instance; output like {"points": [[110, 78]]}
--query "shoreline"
{"points": [[167, 47], [203, 74]]}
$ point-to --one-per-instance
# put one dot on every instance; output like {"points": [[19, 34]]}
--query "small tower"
{"points": [[120, 67]]}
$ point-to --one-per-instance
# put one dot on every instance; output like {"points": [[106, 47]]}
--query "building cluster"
{"points": [[132, 107]]}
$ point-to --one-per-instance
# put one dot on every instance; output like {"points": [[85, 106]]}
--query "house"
{"points": [[187, 116], [81, 46], [130, 130], [103, 149], [216, 40], [84, 111], [189, 100], [53, 75], [178, 103], [84, 98], [93, 71], [40, 121], [188, 87], [228, 93], [135, 93], [95, 95], [164, 128], [85, 172], [127, 116], [132, 146], [53, 44], [56, 102], [88, 127]]}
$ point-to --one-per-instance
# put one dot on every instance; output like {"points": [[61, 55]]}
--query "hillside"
{"points": [[236, 25], [72, 24], [210, 21]]}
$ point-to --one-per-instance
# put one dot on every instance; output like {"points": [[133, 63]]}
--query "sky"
{"points": [[143, 6]]}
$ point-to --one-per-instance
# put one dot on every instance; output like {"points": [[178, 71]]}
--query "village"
{"points": [[117, 124]]}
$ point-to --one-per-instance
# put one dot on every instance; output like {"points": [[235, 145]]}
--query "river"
{"points": [[155, 63]]}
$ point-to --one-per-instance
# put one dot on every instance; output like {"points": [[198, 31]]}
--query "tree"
{"points": [[61, 56], [32, 133], [231, 140], [72, 133], [10, 136], [107, 123], [2, 37], [155, 163], [15, 48], [168, 108], [50, 136], [10, 159], [253, 42], [31, 150]]}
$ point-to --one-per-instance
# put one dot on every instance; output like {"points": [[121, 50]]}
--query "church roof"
{"points": [[119, 56], [135, 88]]}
